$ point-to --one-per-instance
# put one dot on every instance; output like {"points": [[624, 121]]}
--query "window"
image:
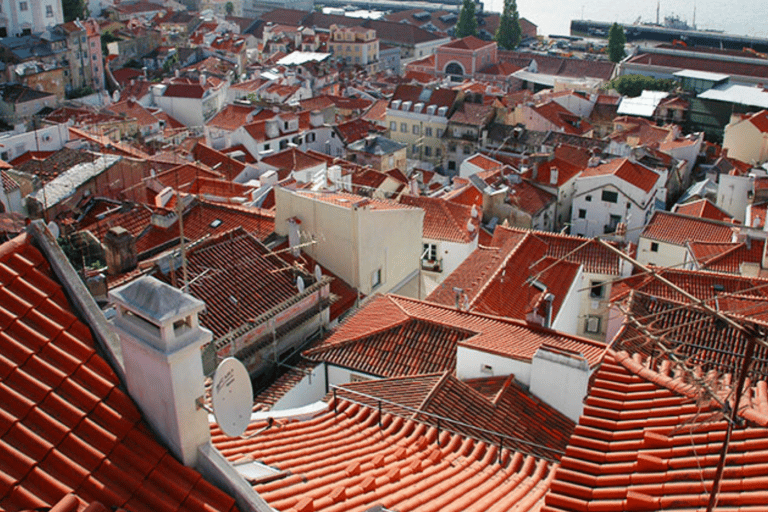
{"points": [[439, 132], [654, 246], [592, 324], [596, 290], [415, 129], [588, 199], [392, 126], [582, 213], [429, 252], [613, 223], [437, 152], [467, 149], [376, 278], [49, 11], [404, 127], [23, 6], [415, 149], [610, 196], [428, 131], [427, 151]]}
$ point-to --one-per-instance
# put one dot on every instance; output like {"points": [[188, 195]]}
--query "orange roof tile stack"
{"points": [[65, 424], [349, 460]]}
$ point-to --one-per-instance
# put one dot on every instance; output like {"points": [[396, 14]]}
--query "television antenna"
{"points": [[232, 397]]}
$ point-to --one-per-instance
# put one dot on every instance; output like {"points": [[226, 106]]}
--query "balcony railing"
{"points": [[432, 265]]}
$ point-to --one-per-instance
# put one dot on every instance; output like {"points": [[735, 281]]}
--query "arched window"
{"points": [[454, 68]]}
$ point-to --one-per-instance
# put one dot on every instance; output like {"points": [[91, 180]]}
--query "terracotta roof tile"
{"points": [[65, 426], [678, 229], [444, 220], [351, 461], [531, 426], [703, 208], [719, 257], [633, 173], [367, 340]]}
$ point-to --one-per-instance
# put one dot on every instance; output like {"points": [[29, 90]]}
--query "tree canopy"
{"points": [[509, 33], [467, 24], [73, 9], [634, 85], [616, 42]]}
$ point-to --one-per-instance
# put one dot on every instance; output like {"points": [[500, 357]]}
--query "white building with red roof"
{"points": [[665, 240], [746, 137], [614, 193], [192, 102], [450, 236]]}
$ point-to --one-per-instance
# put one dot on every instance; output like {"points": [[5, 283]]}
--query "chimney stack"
{"points": [[161, 338], [120, 250]]}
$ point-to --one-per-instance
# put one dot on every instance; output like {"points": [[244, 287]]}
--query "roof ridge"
{"points": [[432, 392], [499, 268]]}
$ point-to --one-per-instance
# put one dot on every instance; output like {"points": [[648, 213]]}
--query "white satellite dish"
{"points": [[54, 229], [300, 284], [318, 272], [232, 397]]}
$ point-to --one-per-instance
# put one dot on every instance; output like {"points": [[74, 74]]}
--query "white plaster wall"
{"points": [[567, 319], [309, 390], [667, 255], [469, 362], [732, 195], [453, 255], [561, 381], [338, 375]]}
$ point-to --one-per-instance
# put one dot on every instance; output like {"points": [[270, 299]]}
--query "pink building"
{"points": [[465, 57]]}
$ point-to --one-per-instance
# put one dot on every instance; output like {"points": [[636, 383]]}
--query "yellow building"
{"points": [[356, 46], [418, 117]]}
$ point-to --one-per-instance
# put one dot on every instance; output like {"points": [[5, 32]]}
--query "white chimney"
{"points": [[161, 338]]}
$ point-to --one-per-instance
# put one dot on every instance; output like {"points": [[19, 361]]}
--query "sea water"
{"points": [[740, 17]]}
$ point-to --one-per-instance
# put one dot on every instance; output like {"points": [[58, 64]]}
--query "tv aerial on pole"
{"points": [[232, 397]]}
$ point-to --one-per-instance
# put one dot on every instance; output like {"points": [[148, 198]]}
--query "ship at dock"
{"points": [[672, 30]]}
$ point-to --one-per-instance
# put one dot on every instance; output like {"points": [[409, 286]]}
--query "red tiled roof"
{"points": [[444, 220], [243, 269], [351, 200], [195, 91], [562, 118], [485, 163], [496, 280], [197, 224], [679, 229], [727, 258], [511, 411], [217, 160], [467, 43], [65, 424], [357, 129], [760, 120], [644, 442], [592, 255], [528, 198], [375, 339], [633, 173], [292, 159], [413, 93], [703, 208], [679, 62], [354, 459], [231, 117]]}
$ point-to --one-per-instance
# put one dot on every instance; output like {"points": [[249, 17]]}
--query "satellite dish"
{"points": [[232, 397], [54, 229], [318, 272], [300, 284]]}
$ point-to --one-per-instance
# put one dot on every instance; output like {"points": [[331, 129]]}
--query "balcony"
{"points": [[432, 265]]}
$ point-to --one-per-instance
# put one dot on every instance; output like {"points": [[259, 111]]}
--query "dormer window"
{"points": [[418, 107], [431, 110], [396, 104], [407, 105], [442, 111]]}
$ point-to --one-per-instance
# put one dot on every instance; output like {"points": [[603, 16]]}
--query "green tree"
{"points": [[73, 9], [467, 24], [230, 7], [509, 33], [616, 42], [634, 85]]}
